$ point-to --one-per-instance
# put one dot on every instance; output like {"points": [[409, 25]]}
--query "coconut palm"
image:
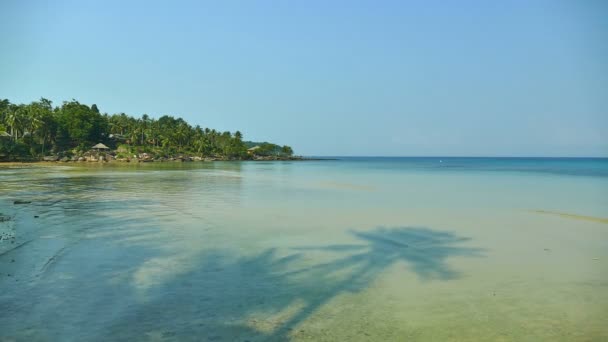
{"points": [[14, 118]]}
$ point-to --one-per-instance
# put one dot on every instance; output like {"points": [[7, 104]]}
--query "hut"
{"points": [[100, 147], [252, 150]]}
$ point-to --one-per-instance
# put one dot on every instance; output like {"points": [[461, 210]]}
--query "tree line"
{"points": [[38, 129]]}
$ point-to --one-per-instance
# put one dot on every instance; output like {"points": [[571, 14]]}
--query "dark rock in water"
{"points": [[22, 202], [36, 216], [169, 334]]}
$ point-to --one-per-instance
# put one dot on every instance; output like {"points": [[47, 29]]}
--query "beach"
{"points": [[358, 249]]}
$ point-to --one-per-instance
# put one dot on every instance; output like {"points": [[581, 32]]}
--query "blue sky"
{"points": [[329, 77]]}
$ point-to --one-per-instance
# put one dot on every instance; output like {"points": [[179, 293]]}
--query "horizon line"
{"points": [[463, 156]]}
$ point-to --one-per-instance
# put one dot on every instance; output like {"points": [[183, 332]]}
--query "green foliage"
{"points": [[83, 125], [38, 128], [286, 151], [124, 148], [62, 140], [266, 149], [82, 147], [13, 150]]}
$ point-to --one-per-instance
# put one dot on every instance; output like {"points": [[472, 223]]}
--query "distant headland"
{"points": [[75, 132]]}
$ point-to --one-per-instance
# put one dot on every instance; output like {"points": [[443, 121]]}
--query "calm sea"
{"points": [[354, 249]]}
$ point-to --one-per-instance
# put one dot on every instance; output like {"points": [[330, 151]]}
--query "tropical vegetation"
{"points": [[32, 131]]}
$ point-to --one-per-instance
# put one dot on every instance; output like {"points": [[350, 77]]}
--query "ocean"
{"points": [[351, 249]]}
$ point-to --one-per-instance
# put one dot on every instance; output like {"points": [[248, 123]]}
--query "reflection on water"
{"points": [[260, 252]]}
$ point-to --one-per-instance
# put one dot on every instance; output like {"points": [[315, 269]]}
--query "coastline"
{"points": [[62, 163]]}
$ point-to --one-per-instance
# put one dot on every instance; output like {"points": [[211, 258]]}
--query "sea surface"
{"points": [[354, 249]]}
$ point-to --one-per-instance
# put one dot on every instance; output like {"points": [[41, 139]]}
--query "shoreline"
{"points": [[59, 163]]}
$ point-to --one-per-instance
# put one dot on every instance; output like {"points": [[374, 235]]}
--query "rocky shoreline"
{"points": [[83, 160]]}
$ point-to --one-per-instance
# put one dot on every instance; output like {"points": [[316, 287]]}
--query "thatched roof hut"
{"points": [[100, 147]]}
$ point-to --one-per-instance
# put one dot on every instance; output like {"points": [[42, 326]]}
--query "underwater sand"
{"points": [[356, 249]]}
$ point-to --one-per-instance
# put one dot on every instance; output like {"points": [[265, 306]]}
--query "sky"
{"points": [[372, 78]]}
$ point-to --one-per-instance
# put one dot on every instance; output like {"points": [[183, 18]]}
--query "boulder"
{"points": [[50, 158]]}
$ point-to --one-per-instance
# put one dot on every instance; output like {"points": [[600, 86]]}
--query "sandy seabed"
{"points": [[302, 252]]}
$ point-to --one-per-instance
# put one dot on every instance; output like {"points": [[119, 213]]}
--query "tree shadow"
{"points": [[423, 249], [224, 294], [268, 296]]}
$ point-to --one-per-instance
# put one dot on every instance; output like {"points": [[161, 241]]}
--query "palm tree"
{"points": [[34, 119], [143, 127], [42, 120], [14, 119], [180, 134], [152, 131]]}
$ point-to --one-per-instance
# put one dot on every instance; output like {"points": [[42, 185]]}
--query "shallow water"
{"points": [[359, 249]]}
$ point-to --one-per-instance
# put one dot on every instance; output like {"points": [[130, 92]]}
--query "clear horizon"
{"points": [[343, 79], [456, 157]]}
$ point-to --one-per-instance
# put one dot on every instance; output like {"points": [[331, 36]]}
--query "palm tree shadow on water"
{"points": [[240, 299], [423, 249]]}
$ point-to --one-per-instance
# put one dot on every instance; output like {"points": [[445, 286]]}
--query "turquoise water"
{"points": [[361, 249]]}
